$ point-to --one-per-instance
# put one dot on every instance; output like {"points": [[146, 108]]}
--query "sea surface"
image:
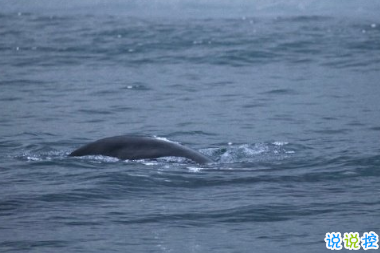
{"points": [[288, 107]]}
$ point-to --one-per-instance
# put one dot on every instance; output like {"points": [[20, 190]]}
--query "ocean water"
{"points": [[286, 105]]}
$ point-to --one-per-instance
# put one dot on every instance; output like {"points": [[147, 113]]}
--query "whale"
{"points": [[125, 147]]}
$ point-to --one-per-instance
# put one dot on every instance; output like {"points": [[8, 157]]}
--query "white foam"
{"points": [[280, 143], [101, 158], [31, 158], [150, 163], [195, 169]]}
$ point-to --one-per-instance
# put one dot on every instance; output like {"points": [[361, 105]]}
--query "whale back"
{"points": [[135, 148]]}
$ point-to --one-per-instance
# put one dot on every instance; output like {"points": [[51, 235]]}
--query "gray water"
{"points": [[286, 105]]}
